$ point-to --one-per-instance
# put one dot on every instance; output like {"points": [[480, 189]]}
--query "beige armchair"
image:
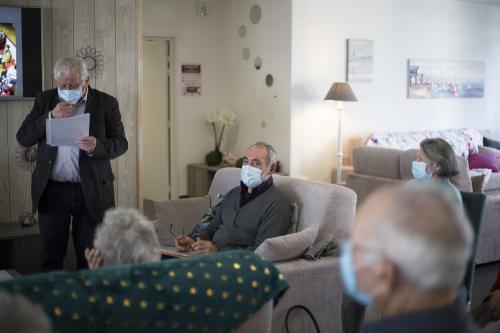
{"points": [[313, 284]]}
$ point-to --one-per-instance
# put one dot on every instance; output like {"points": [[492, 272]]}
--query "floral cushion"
{"points": [[463, 141]]}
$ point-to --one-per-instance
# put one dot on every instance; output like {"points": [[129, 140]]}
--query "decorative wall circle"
{"points": [[242, 31], [258, 63], [245, 53], [255, 14], [93, 59], [269, 80]]}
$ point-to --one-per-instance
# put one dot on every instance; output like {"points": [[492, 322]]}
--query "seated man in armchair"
{"points": [[249, 213]]}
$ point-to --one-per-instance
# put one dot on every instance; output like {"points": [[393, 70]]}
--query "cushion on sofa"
{"points": [[478, 183], [484, 160], [462, 181], [376, 161], [493, 183], [289, 246], [492, 143]]}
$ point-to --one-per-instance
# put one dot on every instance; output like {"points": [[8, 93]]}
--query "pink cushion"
{"points": [[484, 160]]}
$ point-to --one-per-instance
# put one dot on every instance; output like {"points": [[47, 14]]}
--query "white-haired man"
{"points": [[72, 184], [249, 213], [407, 257], [124, 237]]}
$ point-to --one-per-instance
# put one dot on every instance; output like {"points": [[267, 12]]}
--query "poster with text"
{"points": [[191, 79]]}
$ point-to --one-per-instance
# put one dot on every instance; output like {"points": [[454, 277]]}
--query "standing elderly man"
{"points": [[407, 257], [249, 213], [72, 183]]}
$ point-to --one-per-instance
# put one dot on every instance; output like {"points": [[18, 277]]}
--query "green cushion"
{"points": [[209, 293]]}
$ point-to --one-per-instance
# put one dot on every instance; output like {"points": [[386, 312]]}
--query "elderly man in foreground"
{"points": [[249, 213], [407, 257]]}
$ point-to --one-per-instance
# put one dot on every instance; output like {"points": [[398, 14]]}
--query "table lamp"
{"points": [[341, 92]]}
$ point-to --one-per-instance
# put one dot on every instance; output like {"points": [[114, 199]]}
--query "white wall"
{"points": [[400, 29], [196, 40], [227, 80], [263, 112]]}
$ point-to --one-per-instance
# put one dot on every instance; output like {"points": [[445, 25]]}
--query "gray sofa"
{"points": [[374, 167], [314, 284]]}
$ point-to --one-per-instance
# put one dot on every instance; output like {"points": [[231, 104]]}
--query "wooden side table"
{"points": [[200, 177], [20, 248], [346, 170]]}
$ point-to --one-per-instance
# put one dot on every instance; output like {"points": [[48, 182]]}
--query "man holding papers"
{"points": [[78, 131]]}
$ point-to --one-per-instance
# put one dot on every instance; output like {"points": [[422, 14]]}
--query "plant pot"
{"points": [[213, 158]]}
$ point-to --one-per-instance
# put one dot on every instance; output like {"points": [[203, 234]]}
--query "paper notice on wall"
{"points": [[191, 79]]}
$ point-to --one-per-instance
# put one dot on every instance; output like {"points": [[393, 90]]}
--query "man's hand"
{"points": [[204, 246], [62, 110], [87, 143], [494, 303], [94, 258], [183, 243]]}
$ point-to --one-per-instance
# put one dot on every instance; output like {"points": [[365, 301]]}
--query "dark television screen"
{"points": [[20, 52]]}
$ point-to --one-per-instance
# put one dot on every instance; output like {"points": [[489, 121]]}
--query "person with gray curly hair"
{"points": [[124, 237], [407, 257], [19, 315]]}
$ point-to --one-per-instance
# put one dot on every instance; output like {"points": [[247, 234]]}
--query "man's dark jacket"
{"points": [[95, 171]]}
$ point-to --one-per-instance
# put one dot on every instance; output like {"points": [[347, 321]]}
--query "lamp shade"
{"points": [[340, 91]]}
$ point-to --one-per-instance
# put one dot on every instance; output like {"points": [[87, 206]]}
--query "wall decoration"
{"points": [[255, 14], [242, 31], [26, 157], [258, 63], [93, 59], [359, 60], [191, 79], [445, 78], [269, 80]]}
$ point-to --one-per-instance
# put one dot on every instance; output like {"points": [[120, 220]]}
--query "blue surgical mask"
{"points": [[418, 169], [70, 95], [348, 274], [250, 176]]}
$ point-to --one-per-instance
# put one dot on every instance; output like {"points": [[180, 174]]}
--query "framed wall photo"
{"points": [[359, 60], [445, 78]]}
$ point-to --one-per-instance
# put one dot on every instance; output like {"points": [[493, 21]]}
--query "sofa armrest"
{"points": [[487, 142], [183, 214], [317, 286]]}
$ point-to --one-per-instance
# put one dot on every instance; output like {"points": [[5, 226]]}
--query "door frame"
{"points": [[172, 151]]}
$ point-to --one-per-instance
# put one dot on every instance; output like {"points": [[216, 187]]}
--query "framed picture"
{"points": [[359, 60], [445, 78]]}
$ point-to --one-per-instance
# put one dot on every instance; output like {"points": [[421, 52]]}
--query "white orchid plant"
{"points": [[221, 119]]}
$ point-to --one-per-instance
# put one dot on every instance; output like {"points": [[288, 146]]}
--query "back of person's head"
{"points": [[422, 233], [440, 152], [19, 315], [126, 237]]}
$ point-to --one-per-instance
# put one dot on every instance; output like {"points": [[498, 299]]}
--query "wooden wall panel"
{"points": [[19, 177], [105, 24], [62, 29], [111, 26], [126, 79], [83, 27], [4, 166]]}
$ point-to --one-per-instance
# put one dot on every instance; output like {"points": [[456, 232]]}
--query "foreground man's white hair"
{"points": [[19, 315], [424, 235], [66, 65], [126, 237]]}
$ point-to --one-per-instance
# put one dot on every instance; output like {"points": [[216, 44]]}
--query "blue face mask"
{"points": [[250, 176], [349, 277], [70, 95], [418, 169]]}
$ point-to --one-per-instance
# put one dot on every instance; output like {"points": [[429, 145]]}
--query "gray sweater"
{"points": [[234, 227]]}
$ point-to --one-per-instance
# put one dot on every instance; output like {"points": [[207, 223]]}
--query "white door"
{"points": [[155, 120]]}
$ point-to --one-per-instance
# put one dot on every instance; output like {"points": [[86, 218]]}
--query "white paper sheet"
{"points": [[65, 131]]}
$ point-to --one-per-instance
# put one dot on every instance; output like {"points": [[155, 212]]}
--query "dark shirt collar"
{"points": [[449, 318], [246, 197]]}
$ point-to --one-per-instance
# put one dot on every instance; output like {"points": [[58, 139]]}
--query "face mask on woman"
{"points": [[419, 171]]}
